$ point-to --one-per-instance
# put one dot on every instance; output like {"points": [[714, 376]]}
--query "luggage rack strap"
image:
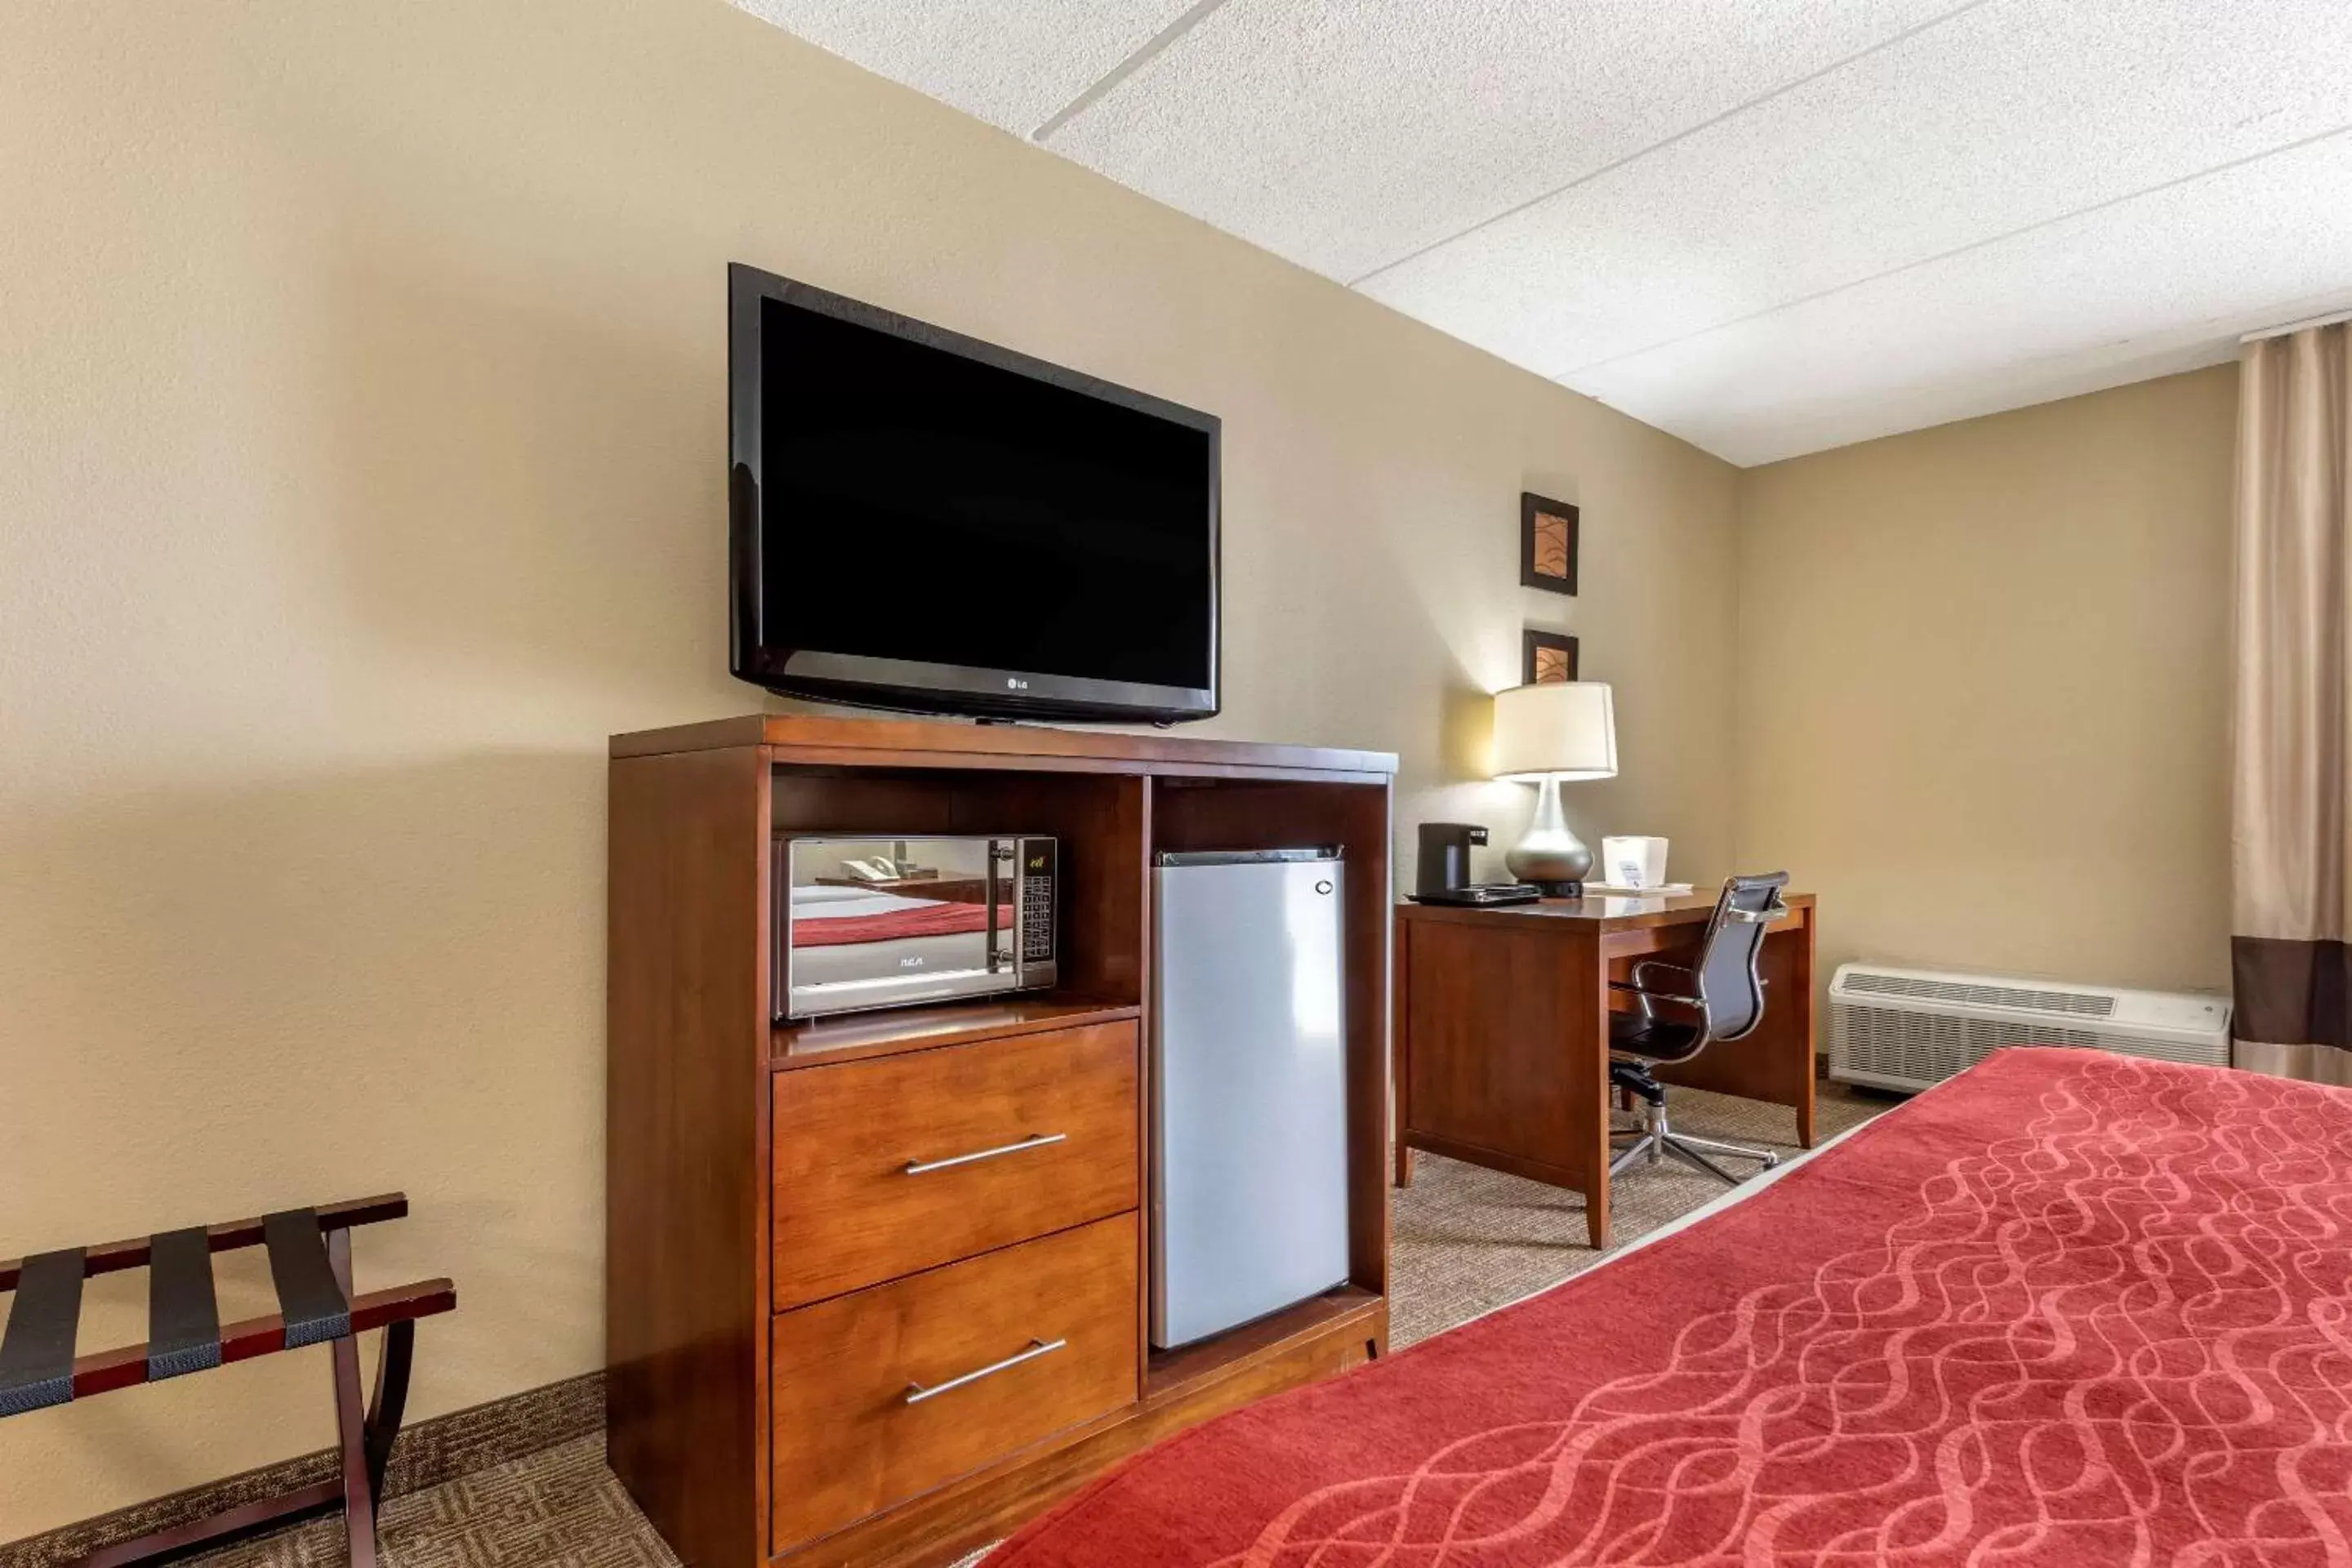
{"points": [[126, 1367], [115, 1256], [36, 1358], [183, 1310], [312, 1303]]}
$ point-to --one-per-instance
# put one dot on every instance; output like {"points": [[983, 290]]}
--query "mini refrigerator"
{"points": [[1249, 1150]]}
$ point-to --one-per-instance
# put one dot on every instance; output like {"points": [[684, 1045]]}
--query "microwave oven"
{"points": [[876, 920]]}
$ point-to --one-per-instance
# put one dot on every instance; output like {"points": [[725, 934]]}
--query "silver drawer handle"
{"points": [[917, 1393], [917, 1167]]}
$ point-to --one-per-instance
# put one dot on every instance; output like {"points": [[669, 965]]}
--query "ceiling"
{"points": [[1770, 226]]}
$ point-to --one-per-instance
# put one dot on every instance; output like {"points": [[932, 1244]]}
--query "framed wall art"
{"points": [[1547, 531], [1546, 658]]}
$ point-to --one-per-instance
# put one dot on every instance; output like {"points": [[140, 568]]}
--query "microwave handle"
{"points": [[999, 851]]}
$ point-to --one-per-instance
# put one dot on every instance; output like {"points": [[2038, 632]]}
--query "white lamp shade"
{"points": [[1566, 730]]}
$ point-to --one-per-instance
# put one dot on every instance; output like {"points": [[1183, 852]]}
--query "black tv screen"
{"points": [[923, 521]]}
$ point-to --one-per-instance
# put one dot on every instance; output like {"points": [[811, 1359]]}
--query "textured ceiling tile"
{"points": [[1012, 63], [2161, 282], [2016, 113], [1768, 225], [1346, 133]]}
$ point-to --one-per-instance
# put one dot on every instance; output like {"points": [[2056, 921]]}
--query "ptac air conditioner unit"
{"points": [[1906, 1028]]}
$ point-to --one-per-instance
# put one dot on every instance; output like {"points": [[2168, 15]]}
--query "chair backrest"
{"points": [[1729, 987]]}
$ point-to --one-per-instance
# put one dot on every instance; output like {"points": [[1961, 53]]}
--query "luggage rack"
{"points": [[310, 1264]]}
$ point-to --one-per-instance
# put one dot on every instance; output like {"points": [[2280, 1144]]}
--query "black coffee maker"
{"points": [[1445, 856], [1442, 876]]}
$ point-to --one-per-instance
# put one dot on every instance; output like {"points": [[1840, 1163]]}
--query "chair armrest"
{"points": [[1632, 989], [1688, 994], [1649, 997], [1762, 984], [1640, 986], [1777, 908]]}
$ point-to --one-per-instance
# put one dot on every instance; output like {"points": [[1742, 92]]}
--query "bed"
{"points": [[2068, 1309]]}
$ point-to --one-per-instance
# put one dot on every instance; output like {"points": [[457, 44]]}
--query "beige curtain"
{"points": [[2291, 796]]}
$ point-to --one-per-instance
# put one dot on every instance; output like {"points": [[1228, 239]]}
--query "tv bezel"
{"points": [[865, 680]]}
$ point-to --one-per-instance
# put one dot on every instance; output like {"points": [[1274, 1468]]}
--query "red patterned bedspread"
{"points": [[2068, 1309], [929, 920]]}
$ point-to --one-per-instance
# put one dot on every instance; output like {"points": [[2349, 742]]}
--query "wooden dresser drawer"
{"points": [[889, 1392], [895, 1163]]}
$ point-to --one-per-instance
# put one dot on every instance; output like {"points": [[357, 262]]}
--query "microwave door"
{"points": [[876, 923]]}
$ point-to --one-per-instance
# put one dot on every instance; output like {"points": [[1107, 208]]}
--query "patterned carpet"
{"points": [[1466, 1241]]}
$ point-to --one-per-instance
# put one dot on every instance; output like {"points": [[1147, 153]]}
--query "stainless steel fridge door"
{"points": [[1249, 1173]]}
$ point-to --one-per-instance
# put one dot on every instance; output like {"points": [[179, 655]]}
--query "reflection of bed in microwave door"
{"points": [[867, 936]]}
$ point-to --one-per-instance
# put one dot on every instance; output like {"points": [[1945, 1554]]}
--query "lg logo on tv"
{"points": [[1014, 683]]}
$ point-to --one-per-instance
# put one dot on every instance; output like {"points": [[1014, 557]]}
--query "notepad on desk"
{"points": [[1619, 890]]}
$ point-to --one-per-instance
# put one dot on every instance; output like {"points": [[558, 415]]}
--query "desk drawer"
{"points": [[890, 1165], [852, 1436]]}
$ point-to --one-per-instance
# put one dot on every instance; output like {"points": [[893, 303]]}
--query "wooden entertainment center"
{"points": [[776, 1289]]}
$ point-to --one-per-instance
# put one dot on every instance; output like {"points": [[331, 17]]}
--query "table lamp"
{"points": [[1545, 736]]}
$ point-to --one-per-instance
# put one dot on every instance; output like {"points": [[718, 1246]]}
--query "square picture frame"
{"points": [[1547, 658], [1549, 534]]}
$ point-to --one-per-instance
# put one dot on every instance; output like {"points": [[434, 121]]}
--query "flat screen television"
{"points": [[922, 520]]}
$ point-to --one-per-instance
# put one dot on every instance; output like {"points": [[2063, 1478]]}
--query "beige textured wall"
{"points": [[362, 464], [1983, 702]]}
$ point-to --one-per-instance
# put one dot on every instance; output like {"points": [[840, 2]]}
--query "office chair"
{"points": [[1722, 998]]}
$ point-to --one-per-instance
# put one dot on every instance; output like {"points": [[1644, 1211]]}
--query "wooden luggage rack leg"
{"points": [[310, 1264]]}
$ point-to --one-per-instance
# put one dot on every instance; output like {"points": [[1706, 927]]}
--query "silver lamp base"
{"points": [[1552, 857]]}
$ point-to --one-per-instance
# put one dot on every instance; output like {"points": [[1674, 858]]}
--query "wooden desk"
{"points": [[1502, 1031]]}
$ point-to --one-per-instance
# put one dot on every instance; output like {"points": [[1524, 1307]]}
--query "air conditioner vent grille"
{"points": [[1974, 993], [1907, 1029], [1908, 1049]]}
